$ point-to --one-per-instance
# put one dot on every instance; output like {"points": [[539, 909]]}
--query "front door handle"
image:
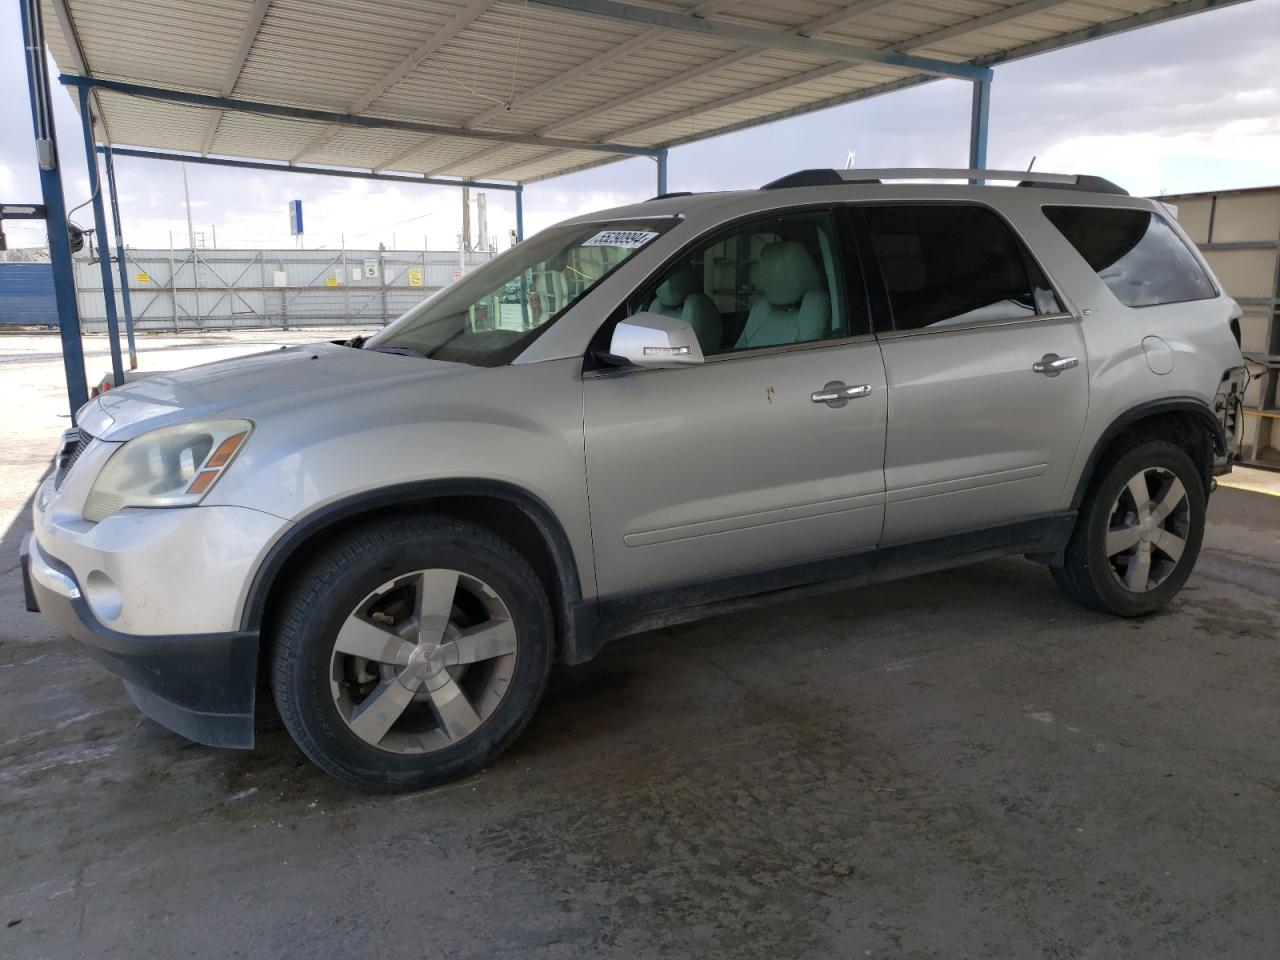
{"points": [[1051, 364], [836, 394]]}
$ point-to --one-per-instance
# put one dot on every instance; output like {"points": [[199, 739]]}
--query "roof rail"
{"points": [[1024, 178]]}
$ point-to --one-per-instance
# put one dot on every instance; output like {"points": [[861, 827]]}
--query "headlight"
{"points": [[170, 467]]}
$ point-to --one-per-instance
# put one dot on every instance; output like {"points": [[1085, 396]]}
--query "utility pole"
{"points": [[466, 218], [186, 192], [482, 223]]}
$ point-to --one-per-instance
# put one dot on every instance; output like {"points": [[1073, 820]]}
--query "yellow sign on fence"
{"points": [[143, 277], [330, 281], [415, 276]]}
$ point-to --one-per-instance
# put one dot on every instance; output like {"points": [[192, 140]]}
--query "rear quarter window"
{"points": [[1140, 258]]}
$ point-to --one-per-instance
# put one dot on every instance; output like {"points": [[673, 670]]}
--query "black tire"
{"points": [[1092, 577], [335, 583]]}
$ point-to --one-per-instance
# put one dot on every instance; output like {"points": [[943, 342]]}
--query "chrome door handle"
{"points": [[836, 394], [1051, 364]]}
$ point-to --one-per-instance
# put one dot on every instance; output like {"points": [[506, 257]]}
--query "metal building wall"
{"points": [[184, 290], [26, 294], [1239, 233]]}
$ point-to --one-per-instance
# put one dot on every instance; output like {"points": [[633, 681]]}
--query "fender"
{"points": [[570, 604], [1190, 405]]}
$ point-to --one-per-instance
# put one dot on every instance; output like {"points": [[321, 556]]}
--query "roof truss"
{"points": [[768, 39], [724, 65]]}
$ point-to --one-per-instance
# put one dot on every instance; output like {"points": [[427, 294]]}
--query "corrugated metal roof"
{"points": [[520, 69]]}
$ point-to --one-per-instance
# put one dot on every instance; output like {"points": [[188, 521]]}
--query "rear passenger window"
{"points": [[1140, 258], [953, 264]]}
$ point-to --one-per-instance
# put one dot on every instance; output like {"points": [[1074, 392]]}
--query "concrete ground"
{"points": [[963, 764]]}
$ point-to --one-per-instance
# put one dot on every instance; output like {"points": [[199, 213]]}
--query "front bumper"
{"points": [[198, 685]]}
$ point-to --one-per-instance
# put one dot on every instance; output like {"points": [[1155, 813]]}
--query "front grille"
{"points": [[74, 442]]}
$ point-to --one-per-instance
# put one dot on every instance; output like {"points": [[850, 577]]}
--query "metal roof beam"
{"points": [[457, 161], [732, 99], [925, 40], [768, 39], [610, 56], [498, 169], [78, 60], [437, 39], [978, 23], [1084, 34], [720, 63], [688, 76], [247, 39], [318, 171], [345, 119], [1174, 11], [390, 164], [1094, 32], [839, 16]]}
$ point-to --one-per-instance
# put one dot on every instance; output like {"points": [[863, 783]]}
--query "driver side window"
{"points": [[766, 283]]}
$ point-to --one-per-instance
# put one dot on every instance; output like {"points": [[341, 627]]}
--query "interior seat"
{"points": [[796, 307], [680, 295]]}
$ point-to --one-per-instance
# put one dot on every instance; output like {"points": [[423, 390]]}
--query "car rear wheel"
{"points": [[1138, 532], [411, 653]]}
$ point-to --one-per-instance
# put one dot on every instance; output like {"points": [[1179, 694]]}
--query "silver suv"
{"points": [[637, 417]]}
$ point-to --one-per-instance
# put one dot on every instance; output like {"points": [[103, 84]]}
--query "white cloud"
{"points": [[1153, 161]]}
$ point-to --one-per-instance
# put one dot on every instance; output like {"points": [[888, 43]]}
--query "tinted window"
{"points": [[765, 283], [1136, 253], [954, 264]]}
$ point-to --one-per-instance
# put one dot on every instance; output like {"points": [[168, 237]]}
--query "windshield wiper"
{"points": [[400, 351]]}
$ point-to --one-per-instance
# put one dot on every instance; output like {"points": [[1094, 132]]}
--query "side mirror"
{"points": [[655, 341]]}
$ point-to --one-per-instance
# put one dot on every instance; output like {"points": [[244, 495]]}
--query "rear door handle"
{"points": [[1051, 364], [836, 394]]}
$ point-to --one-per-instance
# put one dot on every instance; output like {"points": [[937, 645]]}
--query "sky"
{"points": [[1184, 106]]}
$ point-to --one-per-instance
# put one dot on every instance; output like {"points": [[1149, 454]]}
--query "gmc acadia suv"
{"points": [[636, 417]]}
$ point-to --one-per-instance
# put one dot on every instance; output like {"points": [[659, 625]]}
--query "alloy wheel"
{"points": [[1148, 529], [423, 661]]}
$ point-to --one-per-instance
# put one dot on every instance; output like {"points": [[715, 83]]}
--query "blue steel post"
{"points": [[524, 274], [979, 120], [64, 281], [104, 249], [121, 259], [661, 157]]}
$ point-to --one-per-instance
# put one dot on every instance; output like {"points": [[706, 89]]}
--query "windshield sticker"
{"points": [[627, 239]]}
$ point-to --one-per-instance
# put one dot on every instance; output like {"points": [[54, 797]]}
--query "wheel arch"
{"points": [[510, 511], [1178, 419]]}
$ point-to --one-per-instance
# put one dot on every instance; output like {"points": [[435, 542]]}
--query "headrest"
{"points": [[787, 273], [673, 291]]}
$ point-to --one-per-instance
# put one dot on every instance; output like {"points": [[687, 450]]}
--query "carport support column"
{"points": [[64, 280], [661, 158], [100, 226], [121, 259], [519, 212], [979, 119]]}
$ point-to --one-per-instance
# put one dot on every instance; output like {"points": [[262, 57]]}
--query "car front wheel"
{"points": [[1138, 532], [411, 653]]}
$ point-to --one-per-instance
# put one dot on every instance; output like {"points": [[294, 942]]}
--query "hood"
{"points": [[252, 387]]}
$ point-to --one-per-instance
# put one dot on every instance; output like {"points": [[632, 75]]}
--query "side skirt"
{"points": [[1040, 538]]}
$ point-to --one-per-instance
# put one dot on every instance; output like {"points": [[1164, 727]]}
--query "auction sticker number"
{"points": [[627, 239]]}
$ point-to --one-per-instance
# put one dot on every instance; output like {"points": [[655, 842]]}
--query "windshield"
{"points": [[490, 315]]}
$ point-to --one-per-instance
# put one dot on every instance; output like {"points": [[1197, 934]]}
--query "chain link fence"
{"points": [[186, 290]]}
